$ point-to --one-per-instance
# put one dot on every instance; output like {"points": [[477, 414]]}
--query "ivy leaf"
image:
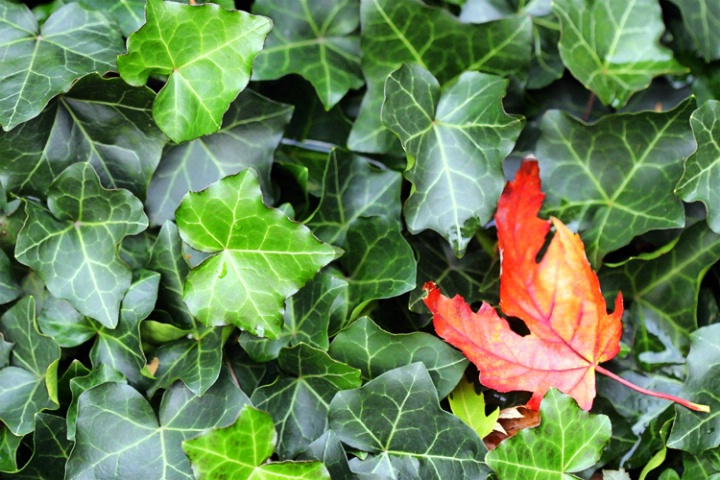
{"points": [[29, 384], [353, 187], [100, 121], [241, 450], [260, 256], [51, 451], [298, 400], [699, 432], [568, 440], [617, 190], [374, 351], [456, 141], [129, 14], [315, 39], [45, 61], [469, 406], [664, 294], [329, 450], [379, 263], [9, 445], [61, 321], [118, 431], [702, 168], [397, 419], [702, 21], [198, 91], [9, 288], [251, 130], [613, 47], [407, 31], [73, 245], [99, 375]]}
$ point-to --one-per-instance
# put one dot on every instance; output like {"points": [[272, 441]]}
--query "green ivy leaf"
{"points": [[704, 466], [9, 288], [702, 23], [692, 431], [103, 122], [378, 262], [45, 61], [129, 14], [118, 431], [52, 449], [199, 90], [407, 31], [73, 245], [251, 131], [664, 293], [353, 187], [469, 406], [613, 47], [397, 419], [9, 445], [374, 351], [5, 349], [99, 375], [315, 39], [702, 168], [616, 189], [61, 321], [260, 256], [241, 451], [29, 384], [298, 400], [456, 141], [567, 440]]}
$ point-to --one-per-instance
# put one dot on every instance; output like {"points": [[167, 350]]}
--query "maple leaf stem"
{"points": [[685, 403]]}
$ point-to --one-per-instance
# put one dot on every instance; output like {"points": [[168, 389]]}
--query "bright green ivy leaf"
{"points": [[407, 31], [29, 384], [316, 39], [697, 432], [251, 131], [702, 22], [374, 351], [702, 169], [40, 62], [51, 449], [103, 122], [73, 245], [615, 176], [664, 293], [259, 258], [456, 141], [203, 80], [299, 399], [119, 435], [354, 186], [378, 262], [396, 418], [612, 46], [241, 451], [469, 406], [9, 288], [568, 440]]}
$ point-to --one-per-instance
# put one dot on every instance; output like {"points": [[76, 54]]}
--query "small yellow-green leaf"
{"points": [[469, 406]]}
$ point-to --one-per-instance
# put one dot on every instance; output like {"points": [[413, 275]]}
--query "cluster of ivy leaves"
{"points": [[215, 220]]}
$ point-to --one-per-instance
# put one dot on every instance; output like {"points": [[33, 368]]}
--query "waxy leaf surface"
{"points": [[456, 141], [259, 258], [241, 451], [41, 62], [613, 46], [559, 300], [702, 23], [72, 246], [616, 189], [568, 440], [317, 39], [203, 80]]}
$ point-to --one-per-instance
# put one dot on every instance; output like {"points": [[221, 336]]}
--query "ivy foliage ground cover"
{"points": [[216, 220]]}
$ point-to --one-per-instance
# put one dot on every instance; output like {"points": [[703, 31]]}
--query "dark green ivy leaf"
{"points": [[702, 22], [41, 62], [616, 189], [407, 31], [299, 399], [73, 245], [203, 80], [51, 449], [456, 141], [313, 38], [99, 375], [9, 288], [129, 14], [29, 384], [259, 258], [9, 445], [374, 351], [396, 418]]}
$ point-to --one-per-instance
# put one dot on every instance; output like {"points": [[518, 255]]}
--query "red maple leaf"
{"points": [[558, 298]]}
